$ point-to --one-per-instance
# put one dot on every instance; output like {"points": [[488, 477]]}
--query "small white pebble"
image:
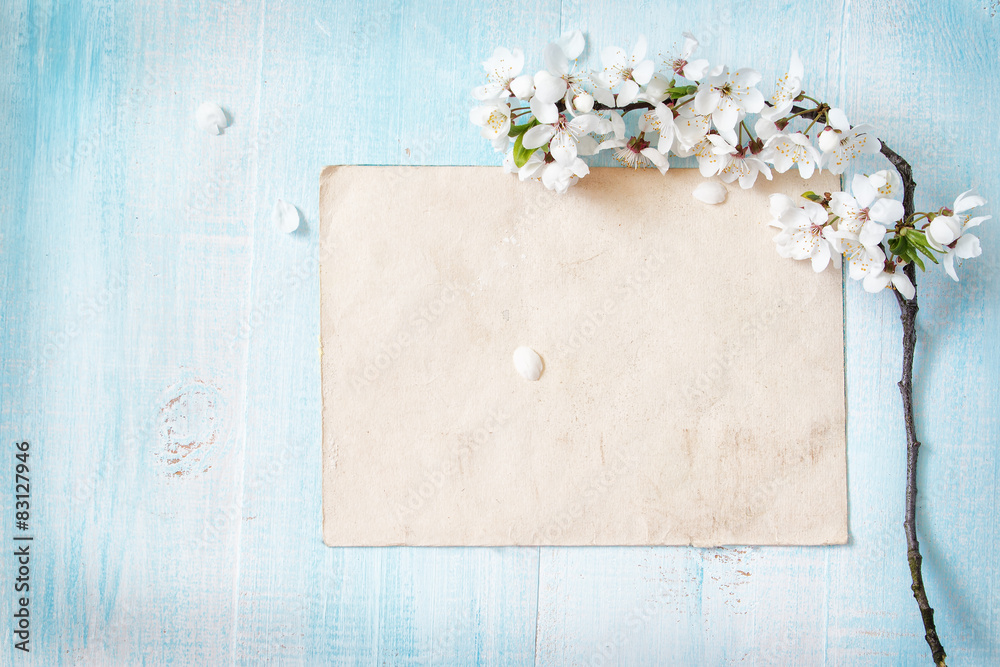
{"points": [[710, 192], [211, 118], [528, 363], [285, 216]]}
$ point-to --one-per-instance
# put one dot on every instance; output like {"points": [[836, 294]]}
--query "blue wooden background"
{"points": [[148, 302]]}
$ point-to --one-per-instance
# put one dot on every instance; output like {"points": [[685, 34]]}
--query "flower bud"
{"points": [[828, 140], [584, 102]]}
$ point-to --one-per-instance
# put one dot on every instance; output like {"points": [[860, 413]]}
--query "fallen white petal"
{"points": [[285, 216], [710, 192], [211, 118], [528, 363]]}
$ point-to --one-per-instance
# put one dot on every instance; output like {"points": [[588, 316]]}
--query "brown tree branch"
{"points": [[908, 317]]}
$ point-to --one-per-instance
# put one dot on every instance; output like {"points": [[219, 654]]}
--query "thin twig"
{"points": [[908, 316]]}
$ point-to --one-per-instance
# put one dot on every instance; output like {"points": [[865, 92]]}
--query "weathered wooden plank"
{"points": [[410, 68]]}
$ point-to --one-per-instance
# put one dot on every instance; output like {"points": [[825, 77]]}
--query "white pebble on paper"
{"points": [[285, 216], [528, 363], [211, 118], [710, 192]]}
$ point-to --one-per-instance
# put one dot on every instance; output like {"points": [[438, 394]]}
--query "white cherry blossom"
{"points": [[494, 119], [876, 281], [559, 177], [804, 232], [726, 96], [501, 69], [638, 152], [950, 233], [842, 143], [786, 150], [865, 208], [628, 72], [566, 137], [681, 63], [744, 168], [660, 121]]}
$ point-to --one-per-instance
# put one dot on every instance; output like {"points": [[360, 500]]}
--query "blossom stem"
{"points": [[635, 106], [908, 316], [678, 106]]}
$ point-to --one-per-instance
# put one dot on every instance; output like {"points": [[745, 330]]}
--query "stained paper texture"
{"points": [[692, 390]]}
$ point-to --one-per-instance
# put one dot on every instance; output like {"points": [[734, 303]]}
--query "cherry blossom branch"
{"points": [[908, 316]]}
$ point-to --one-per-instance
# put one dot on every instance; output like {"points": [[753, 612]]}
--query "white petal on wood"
{"points": [[211, 118], [285, 216]]}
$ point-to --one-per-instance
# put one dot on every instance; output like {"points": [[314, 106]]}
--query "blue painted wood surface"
{"points": [[150, 307]]}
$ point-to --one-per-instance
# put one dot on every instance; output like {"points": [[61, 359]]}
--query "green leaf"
{"points": [[677, 92], [518, 130], [927, 251], [812, 196], [521, 154]]}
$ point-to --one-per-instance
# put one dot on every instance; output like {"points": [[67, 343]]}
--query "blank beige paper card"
{"points": [[693, 382]]}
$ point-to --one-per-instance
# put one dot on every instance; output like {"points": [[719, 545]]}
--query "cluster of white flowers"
{"points": [[546, 122], [853, 226]]}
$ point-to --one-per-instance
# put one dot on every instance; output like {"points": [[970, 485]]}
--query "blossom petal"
{"points": [[696, 69], [584, 124], [975, 222], [968, 247], [838, 120], [871, 234], [863, 191], [844, 205], [523, 87], [886, 211], [544, 112], [604, 96], [563, 147], [639, 50], [658, 159], [643, 72], [613, 57], [943, 230], [753, 101], [903, 285], [629, 91], [538, 136], [746, 76], [549, 88], [726, 115], [706, 99], [572, 43], [949, 265], [556, 61], [967, 200], [780, 203], [876, 281]]}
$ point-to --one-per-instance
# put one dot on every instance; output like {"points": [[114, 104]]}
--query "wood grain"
{"points": [[159, 344]]}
